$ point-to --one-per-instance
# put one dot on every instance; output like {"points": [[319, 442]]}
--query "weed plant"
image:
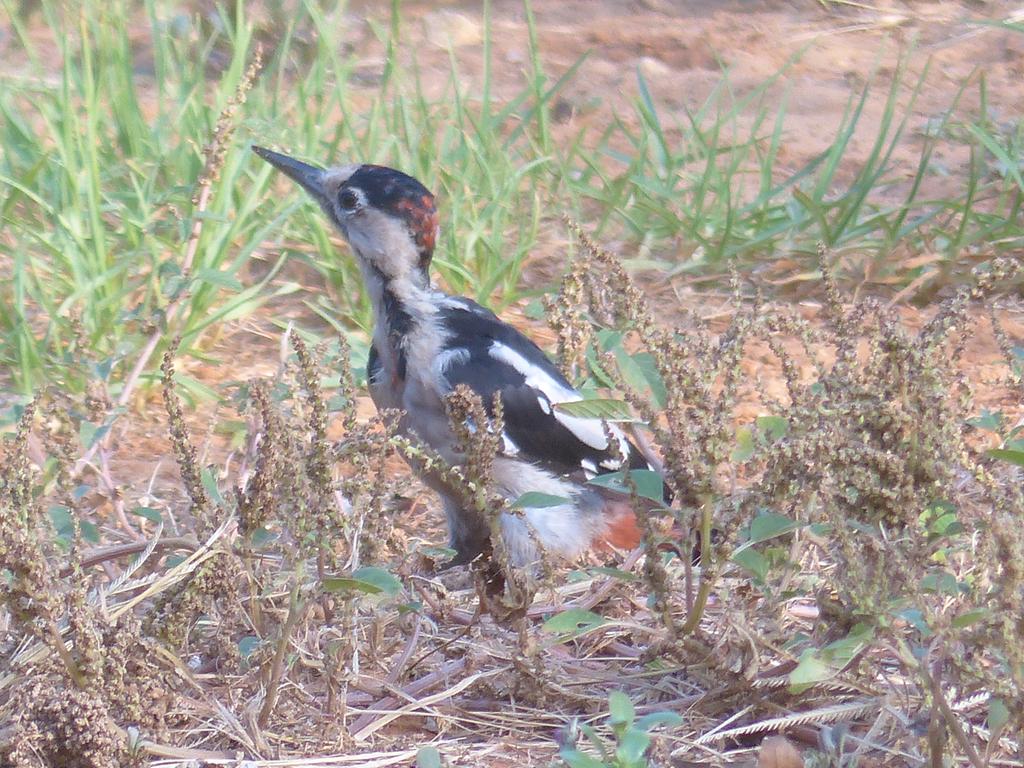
{"points": [[282, 603], [293, 602], [865, 468]]}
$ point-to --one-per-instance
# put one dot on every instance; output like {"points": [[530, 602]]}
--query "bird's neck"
{"points": [[397, 301]]}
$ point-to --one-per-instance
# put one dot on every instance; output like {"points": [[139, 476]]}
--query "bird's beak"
{"points": [[309, 177]]}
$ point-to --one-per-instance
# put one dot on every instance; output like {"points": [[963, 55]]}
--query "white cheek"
{"points": [[368, 247]]}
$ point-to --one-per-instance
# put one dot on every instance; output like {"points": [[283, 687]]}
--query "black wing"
{"points": [[491, 357]]}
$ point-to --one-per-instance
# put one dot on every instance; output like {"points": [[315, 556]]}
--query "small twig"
{"points": [[417, 703], [410, 646], [706, 580], [412, 689], [296, 610], [65, 656], [97, 556], [948, 715]]}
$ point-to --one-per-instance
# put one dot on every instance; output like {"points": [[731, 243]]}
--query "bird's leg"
{"points": [[469, 535]]}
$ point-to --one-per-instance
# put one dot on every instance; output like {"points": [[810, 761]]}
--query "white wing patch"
{"points": [[510, 448], [588, 431], [460, 302], [448, 358], [535, 376]]}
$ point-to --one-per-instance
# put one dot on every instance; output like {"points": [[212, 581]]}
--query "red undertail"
{"points": [[622, 530]]}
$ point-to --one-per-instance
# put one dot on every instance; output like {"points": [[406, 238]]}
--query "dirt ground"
{"points": [[681, 48]]}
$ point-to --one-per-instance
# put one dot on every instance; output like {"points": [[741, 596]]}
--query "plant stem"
{"points": [[706, 577], [296, 610]]}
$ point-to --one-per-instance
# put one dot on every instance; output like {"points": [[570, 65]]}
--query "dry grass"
{"points": [[860, 585], [290, 617]]}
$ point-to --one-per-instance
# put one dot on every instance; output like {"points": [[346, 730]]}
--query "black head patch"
{"points": [[401, 196]]}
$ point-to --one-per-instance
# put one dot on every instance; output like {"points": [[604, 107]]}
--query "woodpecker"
{"points": [[427, 342]]}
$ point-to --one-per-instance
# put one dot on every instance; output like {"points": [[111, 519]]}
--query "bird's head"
{"points": [[388, 217]]}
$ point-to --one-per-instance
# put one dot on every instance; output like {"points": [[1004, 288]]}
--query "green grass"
{"points": [[719, 188], [102, 159], [98, 202]]}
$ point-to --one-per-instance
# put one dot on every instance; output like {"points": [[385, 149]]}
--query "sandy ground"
{"points": [[681, 48]]}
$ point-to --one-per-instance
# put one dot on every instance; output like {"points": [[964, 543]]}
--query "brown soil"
{"points": [[680, 47]]}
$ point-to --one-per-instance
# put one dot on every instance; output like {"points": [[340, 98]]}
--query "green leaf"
{"points": [[153, 515], [428, 757], [89, 531], [535, 310], [998, 715], [576, 759], [640, 374], [744, 444], [210, 486], [1014, 456], [620, 710], [772, 427], [810, 670], [600, 374], [63, 522], [218, 278], [381, 578], [654, 719], [817, 665], [368, 580], [632, 746], [261, 536], [436, 553], [573, 623], [841, 652], [753, 561], [649, 484], [915, 618], [595, 741], [769, 525], [615, 573], [538, 500], [647, 365], [247, 645], [943, 583], [89, 434], [990, 420], [196, 388], [608, 339], [939, 518], [632, 373], [348, 586], [606, 409], [967, 618]]}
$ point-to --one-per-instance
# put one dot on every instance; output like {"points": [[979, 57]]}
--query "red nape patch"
{"points": [[421, 218], [622, 531]]}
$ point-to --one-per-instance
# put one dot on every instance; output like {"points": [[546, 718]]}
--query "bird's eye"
{"points": [[348, 200]]}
